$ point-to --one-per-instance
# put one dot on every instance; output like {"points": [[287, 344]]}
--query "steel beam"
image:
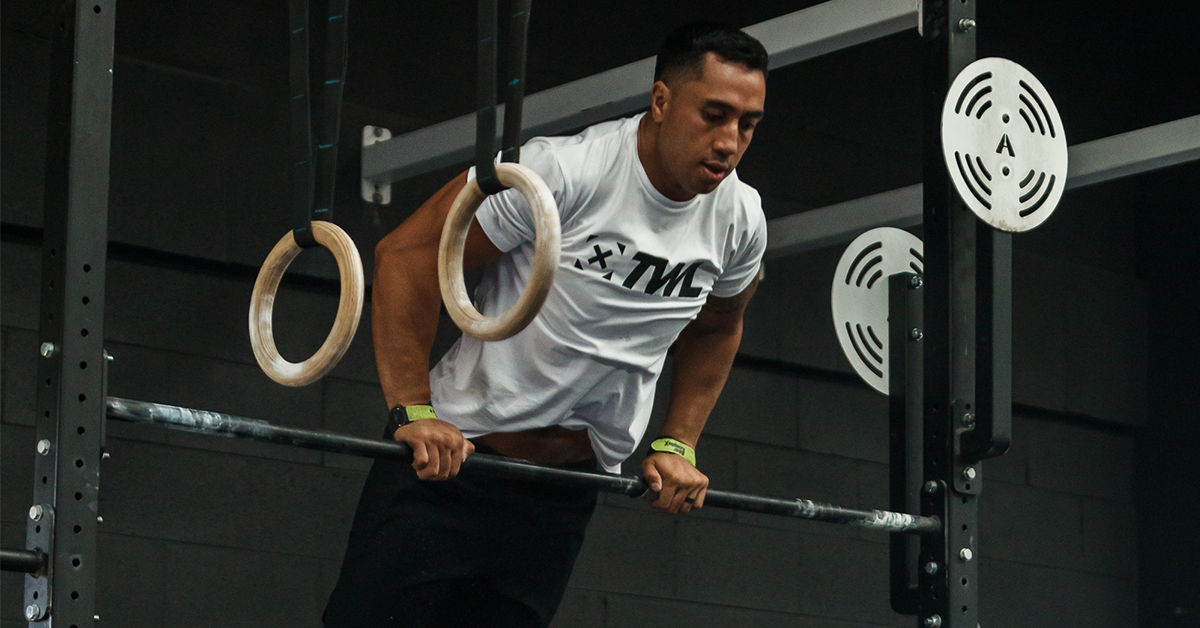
{"points": [[1101, 160], [624, 90], [70, 385]]}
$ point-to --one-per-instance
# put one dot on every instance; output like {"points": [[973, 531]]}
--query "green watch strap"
{"points": [[669, 445], [417, 413]]}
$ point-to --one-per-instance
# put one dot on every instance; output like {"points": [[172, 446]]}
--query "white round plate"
{"points": [[860, 297], [1004, 144]]}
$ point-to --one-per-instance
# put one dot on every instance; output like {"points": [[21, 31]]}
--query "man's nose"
{"points": [[726, 141]]}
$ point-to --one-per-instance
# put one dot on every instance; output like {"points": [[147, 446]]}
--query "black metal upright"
{"points": [[965, 355], [70, 400]]}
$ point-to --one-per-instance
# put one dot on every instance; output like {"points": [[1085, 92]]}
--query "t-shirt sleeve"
{"points": [[745, 259], [506, 217]]}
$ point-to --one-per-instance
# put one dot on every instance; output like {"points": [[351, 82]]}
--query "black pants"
{"points": [[477, 552]]}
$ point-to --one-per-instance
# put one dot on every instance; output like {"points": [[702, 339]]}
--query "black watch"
{"points": [[400, 416]]}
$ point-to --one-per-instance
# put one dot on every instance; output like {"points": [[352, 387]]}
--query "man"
{"points": [[660, 242]]}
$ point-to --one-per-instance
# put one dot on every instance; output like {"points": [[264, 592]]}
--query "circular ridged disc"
{"points": [[860, 297], [1004, 144]]}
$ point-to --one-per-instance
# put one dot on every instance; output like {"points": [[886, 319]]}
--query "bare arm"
{"points": [[703, 356], [406, 299], [405, 302]]}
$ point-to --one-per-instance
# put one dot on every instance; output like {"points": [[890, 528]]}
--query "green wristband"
{"points": [[417, 413], [669, 445]]}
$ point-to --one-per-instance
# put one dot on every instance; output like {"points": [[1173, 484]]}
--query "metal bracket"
{"points": [[906, 403], [373, 191], [968, 473], [39, 535]]}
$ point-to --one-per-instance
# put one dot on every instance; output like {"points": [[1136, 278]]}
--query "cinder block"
{"points": [[206, 498], [173, 310], [1110, 538], [17, 454], [581, 608], [1039, 331], [846, 579], [843, 420], [790, 474], [216, 188], [722, 563], [20, 376], [353, 407], [20, 284], [627, 552], [1012, 594], [1080, 460], [1106, 359], [791, 318], [12, 584], [150, 582], [1013, 466], [328, 576], [26, 99], [625, 610], [1030, 525], [202, 315], [356, 409], [218, 386], [757, 407]]}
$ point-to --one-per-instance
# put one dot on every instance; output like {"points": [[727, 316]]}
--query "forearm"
{"points": [[702, 361], [406, 299], [405, 302]]}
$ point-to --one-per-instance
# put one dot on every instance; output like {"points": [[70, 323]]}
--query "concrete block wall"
{"points": [[202, 532]]}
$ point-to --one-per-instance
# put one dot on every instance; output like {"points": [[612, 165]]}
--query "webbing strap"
{"points": [[485, 101], [518, 30], [314, 147], [331, 110], [301, 136]]}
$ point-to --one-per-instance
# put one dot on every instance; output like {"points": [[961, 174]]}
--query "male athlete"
{"points": [[661, 244]]}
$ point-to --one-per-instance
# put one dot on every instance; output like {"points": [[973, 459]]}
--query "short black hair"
{"points": [[686, 46]]}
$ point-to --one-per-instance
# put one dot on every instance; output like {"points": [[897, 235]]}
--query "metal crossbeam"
{"points": [[1092, 162], [215, 423], [624, 90]]}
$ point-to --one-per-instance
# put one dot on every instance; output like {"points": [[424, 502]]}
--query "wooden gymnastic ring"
{"points": [[547, 247], [262, 304]]}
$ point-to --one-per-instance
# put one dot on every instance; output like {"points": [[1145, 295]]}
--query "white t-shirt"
{"points": [[635, 268]]}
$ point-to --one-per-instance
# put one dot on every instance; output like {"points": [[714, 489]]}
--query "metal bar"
{"points": [[70, 400], [989, 433], [1101, 160], [947, 587], [215, 423], [25, 561], [905, 389], [817, 228], [1131, 153], [624, 90]]}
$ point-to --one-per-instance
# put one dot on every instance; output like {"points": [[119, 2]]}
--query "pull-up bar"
{"points": [[215, 423]]}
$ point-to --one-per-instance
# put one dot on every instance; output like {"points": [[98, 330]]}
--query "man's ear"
{"points": [[660, 99]]}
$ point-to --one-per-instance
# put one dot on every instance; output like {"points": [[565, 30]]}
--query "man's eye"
{"points": [[711, 117]]}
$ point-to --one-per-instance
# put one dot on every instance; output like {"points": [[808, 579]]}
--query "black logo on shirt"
{"points": [[659, 272]]}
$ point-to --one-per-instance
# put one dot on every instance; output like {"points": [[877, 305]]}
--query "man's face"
{"points": [[706, 124]]}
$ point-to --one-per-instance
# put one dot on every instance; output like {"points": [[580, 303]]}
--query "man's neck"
{"points": [[647, 151]]}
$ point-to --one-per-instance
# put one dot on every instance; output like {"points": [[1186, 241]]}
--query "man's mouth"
{"points": [[716, 170]]}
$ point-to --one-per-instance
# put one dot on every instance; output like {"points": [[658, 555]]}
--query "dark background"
{"points": [[1090, 519]]}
